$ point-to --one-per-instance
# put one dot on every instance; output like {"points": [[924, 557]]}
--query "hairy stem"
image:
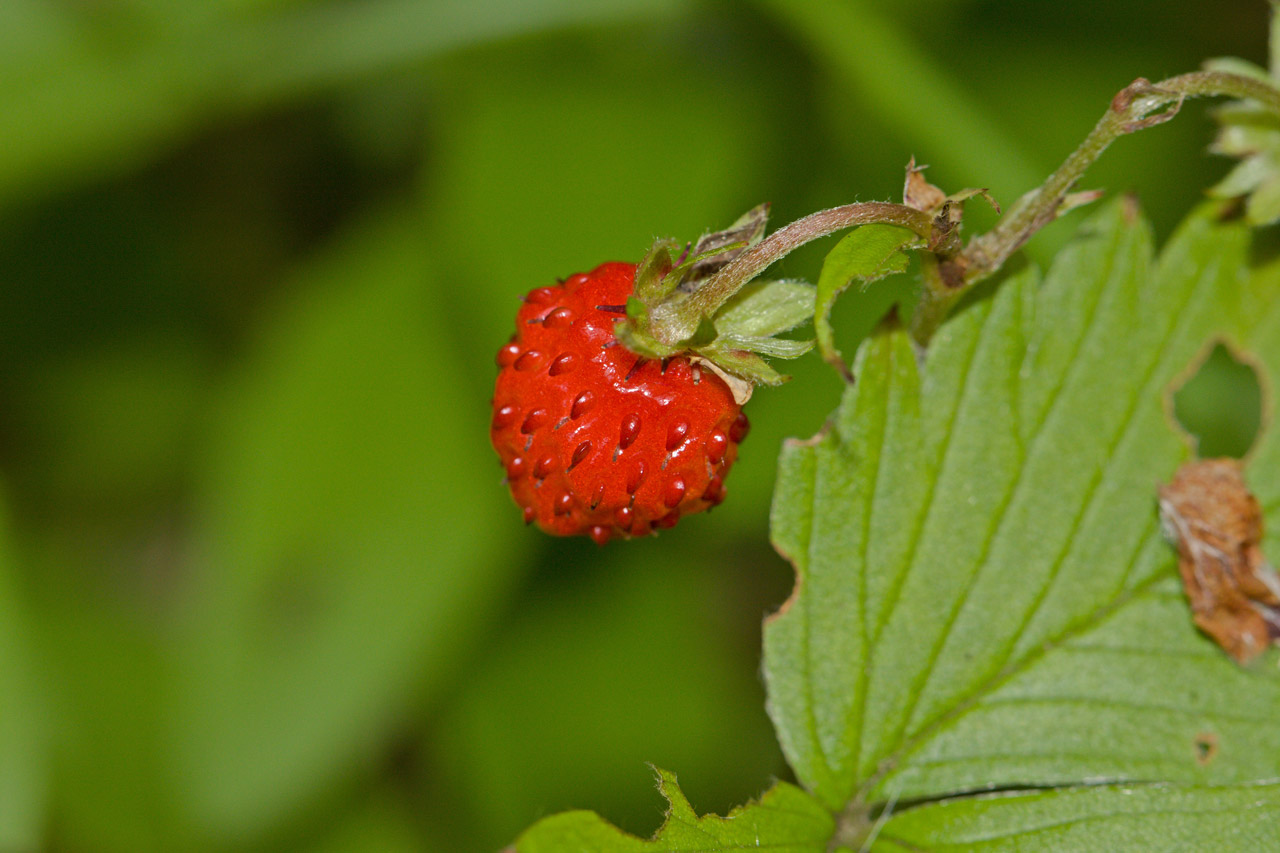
{"points": [[1139, 105], [725, 283]]}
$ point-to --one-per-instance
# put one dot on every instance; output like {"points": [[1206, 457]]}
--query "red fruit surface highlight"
{"points": [[595, 440]]}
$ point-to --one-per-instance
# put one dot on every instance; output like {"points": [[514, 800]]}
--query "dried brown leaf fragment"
{"points": [[1208, 512]]}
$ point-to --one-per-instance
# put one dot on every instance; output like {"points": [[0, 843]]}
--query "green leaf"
{"points": [[1251, 132], [1235, 65], [112, 748], [1244, 178], [785, 819], [766, 308], [1263, 207], [983, 596], [866, 254], [1146, 818]]}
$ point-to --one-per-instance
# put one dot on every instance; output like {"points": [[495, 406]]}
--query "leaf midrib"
{"points": [[1177, 320], [1095, 818], [900, 577], [1013, 492], [873, 494]]}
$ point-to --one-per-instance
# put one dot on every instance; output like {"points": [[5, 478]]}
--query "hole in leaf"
{"points": [[1220, 406], [1206, 744]]}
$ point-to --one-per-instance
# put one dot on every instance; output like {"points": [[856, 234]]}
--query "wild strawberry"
{"points": [[595, 438], [618, 402]]}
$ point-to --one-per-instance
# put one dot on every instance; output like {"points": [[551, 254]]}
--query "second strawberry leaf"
{"points": [[983, 595]]}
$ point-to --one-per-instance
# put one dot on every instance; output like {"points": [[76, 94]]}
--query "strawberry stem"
{"points": [[679, 320], [1139, 105]]}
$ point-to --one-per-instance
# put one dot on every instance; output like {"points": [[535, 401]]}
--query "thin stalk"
{"points": [[936, 301], [684, 316], [1139, 105]]}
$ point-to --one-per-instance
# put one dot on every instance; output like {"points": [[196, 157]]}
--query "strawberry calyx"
{"points": [[703, 301], [665, 319]]}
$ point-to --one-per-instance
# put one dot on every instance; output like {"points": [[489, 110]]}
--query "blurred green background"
{"points": [[261, 586]]}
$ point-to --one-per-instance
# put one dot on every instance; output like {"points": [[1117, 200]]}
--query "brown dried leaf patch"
{"points": [[1214, 520]]}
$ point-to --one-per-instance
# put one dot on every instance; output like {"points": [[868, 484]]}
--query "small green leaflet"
{"points": [[784, 820], [868, 253], [983, 595]]}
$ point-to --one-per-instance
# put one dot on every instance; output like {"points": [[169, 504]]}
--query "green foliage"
{"points": [[1252, 134], [983, 597], [784, 819], [96, 91], [1006, 568], [607, 691], [869, 253], [260, 586]]}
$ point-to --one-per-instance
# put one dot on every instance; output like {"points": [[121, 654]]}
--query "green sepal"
{"points": [[774, 347], [732, 341], [651, 281], [704, 335], [637, 311], [765, 308], [1247, 176], [714, 250], [641, 343], [743, 364], [1246, 114], [1243, 137], [1263, 207]]}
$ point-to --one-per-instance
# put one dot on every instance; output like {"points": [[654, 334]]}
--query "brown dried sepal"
{"points": [[918, 192], [947, 212], [1216, 524]]}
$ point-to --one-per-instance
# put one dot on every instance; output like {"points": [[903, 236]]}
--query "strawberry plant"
{"points": [[988, 645], [263, 578]]}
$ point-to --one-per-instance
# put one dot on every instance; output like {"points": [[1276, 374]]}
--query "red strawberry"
{"points": [[595, 438], [618, 403]]}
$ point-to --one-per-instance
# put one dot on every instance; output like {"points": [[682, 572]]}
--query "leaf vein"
{"points": [[895, 591], [1011, 668], [1179, 318], [1067, 699], [862, 575], [1000, 678], [1016, 485], [932, 659], [1104, 816]]}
